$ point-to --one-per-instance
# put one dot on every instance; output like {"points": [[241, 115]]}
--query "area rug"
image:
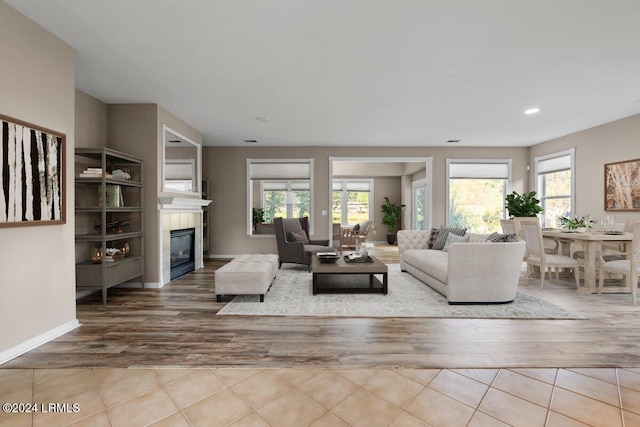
{"points": [[291, 295]]}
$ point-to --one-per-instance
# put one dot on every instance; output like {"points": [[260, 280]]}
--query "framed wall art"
{"points": [[32, 182], [622, 186]]}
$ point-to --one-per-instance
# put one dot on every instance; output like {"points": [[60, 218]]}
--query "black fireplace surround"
{"points": [[182, 252]]}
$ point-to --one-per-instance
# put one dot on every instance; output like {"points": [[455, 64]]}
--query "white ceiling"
{"points": [[359, 72]]}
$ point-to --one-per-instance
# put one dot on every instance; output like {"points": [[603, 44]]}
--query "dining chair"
{"points": [[536, 255], [629, 267], [508, 226], [609, 251]]}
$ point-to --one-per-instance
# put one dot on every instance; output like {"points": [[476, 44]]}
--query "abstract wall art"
{"points": [[32, 182], [622, 186]]}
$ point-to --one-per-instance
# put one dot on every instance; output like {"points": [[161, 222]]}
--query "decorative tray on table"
{"points": [[357, 258], [327, 257]]}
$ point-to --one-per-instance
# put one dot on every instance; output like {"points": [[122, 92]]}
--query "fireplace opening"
{"points": [[182, 252]]}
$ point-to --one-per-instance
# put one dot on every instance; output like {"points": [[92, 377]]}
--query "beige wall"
{"points": [[611, 142], [90, 121], [226, 169], [37, 279], [132, 129], [136, 129]]}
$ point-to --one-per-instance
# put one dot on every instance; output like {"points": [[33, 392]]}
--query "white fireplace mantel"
{"points": [[182, 203]]}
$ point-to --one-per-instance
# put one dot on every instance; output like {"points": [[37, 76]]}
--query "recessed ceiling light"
{"points": [[531, 111], [250, 141], [452, 141], [263, 119]]}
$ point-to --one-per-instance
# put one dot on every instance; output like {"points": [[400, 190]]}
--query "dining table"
{"points": [[591, 242]]}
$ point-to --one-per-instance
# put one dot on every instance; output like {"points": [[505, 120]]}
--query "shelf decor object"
{"points": [[111, 231], [622, 186], [27, 153]]}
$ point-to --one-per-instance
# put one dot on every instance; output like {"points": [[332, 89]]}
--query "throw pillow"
{"points": [[443, 233], [452, 238], [356, 228], [432, 238], [497, 237], [299, 236]]}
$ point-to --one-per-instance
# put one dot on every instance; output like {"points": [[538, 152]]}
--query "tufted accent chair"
{"points": [[296, 252]]}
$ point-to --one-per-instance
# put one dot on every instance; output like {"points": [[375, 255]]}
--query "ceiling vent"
{"points": [[251, 141], [452, 141]]}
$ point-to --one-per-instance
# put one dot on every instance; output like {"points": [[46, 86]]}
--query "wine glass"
{"points": [[609, 222]]}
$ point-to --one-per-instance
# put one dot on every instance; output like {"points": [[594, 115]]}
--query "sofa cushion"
{"points": [[497, 237], [432, 237], [298, 236], [477, 237], [443, 233], [452, 238], [433, 262]]}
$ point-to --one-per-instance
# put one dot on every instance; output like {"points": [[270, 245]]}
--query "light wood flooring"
{"points": [[177, 326]]}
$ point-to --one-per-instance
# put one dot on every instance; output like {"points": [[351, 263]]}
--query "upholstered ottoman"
{"points": [[270, 258], [243, 278]]}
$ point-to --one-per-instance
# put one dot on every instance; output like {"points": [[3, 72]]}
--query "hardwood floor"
{"points": [[177, 326]]}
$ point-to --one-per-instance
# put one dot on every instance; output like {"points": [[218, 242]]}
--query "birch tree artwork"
{"points": [[31, 174], [622, 186]]}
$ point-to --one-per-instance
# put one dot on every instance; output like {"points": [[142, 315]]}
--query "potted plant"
{"points": [[523, 205], [391, 219], [258, 216], [579, 224]]}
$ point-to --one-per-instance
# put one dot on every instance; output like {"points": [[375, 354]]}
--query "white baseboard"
{"points": [[153, 285], [37, 341]]}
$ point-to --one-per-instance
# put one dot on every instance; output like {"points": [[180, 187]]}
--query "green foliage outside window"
{"points": [[476, 204]]}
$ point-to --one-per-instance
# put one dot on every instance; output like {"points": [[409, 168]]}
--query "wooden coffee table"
{"points": [[343, 277]]}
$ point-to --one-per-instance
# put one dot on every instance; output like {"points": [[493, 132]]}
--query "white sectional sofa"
{"points": [[476, 271]]}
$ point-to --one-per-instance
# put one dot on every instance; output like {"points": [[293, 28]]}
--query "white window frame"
{"points": [[507, 187], [250, 203], [344, 198], [540, 191]]}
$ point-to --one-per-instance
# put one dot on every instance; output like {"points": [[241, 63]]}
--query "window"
{"points": [[351, 201], [281, 188], [286, 199], [554, 185], [476, 193], [419, 191]]}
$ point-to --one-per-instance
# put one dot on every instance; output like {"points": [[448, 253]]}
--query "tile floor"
{"points": [[323, 397]]}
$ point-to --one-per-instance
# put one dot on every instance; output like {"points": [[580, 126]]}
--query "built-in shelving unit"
{"points": [[109, 215]]}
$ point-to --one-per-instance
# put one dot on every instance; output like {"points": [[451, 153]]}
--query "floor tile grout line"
{"points": [[581, 393], [164, 387], [620, 397], [489, 387], [573, 369], [95, 377], [33, 392], [553, 391]]}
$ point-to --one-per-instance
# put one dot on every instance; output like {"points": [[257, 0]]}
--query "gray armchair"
{"points": [[297, 252]]}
